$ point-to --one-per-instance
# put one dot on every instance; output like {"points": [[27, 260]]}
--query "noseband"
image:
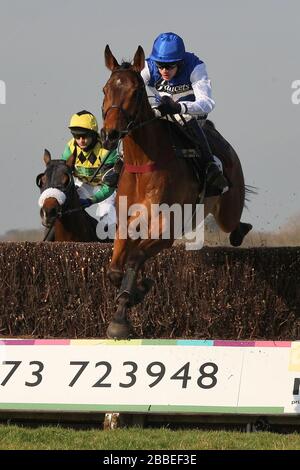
{"points": [[131, 120], [65, 190]]}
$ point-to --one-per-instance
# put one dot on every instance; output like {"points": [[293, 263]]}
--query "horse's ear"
{"points": [[110, 61], [139, 59], [71, 160], [47, 156]]}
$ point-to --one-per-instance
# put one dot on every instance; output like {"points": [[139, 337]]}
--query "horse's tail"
{"points": [[249, 190]]}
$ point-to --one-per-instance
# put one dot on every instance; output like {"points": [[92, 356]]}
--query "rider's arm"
{"points": [[203, 103], [105, 189], [66, 153], [145, 73], [104, 192]]}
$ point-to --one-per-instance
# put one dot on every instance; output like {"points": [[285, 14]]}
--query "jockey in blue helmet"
{"points": [[181, 81]]}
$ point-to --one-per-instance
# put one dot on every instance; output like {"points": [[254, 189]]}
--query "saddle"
{"points": [[184, 147]]}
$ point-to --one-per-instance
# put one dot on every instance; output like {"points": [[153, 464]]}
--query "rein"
{"points": [[133, 125], [60, 214], [63, 209]]}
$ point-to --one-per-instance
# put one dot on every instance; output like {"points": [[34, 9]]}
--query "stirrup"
{"points": [[217, 184]]}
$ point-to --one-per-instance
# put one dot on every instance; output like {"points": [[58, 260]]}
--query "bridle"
{"points": [[132, 120], [63, 209]]}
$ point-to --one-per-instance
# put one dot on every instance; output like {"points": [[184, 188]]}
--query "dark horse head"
{"points": [[60, 207], [57, 188]]}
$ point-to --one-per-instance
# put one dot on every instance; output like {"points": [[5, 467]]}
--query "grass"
{"points": [[13, 437]]}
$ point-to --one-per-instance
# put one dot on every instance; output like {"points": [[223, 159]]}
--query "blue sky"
{"points": [[51, 61]]}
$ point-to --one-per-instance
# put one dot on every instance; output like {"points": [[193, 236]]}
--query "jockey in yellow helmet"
{"points": [[93, 186]]}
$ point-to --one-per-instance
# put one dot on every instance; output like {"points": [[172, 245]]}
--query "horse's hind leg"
{"points": [[227, 215], [229, 208], [237, 235]]}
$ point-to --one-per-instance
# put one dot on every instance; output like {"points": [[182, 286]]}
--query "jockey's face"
{"points": [[83, 141], [168, 72]]}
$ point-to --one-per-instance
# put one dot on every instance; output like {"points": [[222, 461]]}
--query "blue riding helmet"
{"points": [[168, 47]]}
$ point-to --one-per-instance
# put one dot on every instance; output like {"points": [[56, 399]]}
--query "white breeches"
{"points": [[105, 208]]}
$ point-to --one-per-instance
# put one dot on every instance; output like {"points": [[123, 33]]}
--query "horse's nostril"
{"points": [[48, 213]]}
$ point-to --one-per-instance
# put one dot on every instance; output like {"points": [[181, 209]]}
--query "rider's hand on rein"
{"points": [[85, 202], [168, 106]]}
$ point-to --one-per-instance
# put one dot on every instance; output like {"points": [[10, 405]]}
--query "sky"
{"points": [[52, 65]]}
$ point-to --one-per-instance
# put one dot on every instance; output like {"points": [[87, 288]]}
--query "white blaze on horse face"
{"points": [[118, 82], [54, 193]]}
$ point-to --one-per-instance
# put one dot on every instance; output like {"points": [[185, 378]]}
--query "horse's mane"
{"points": [[125, 65], [128, 66]]}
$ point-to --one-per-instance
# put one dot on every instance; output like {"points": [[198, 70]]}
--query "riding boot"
{"points": [[216, 182]]}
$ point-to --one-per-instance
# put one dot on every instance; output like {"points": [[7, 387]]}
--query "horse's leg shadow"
{"points": [[237, 235]]}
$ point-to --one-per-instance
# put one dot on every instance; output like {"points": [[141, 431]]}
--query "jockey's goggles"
{"points": [[167, 66], [80, 135]]}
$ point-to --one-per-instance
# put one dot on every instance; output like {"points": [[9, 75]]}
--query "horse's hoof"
{"points": [[118, 330], [237, 236]]}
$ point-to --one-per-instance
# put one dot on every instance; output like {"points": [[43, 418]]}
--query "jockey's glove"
{"points": [[168, 106], [86, 202]]}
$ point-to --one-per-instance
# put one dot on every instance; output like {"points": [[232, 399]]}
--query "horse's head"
{"points": [[124, 96], [55, 185]]}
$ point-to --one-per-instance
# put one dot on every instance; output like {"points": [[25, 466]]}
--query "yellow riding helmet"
{"points": [[84, 120]]}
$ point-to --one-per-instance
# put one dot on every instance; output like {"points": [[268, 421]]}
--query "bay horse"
{"points": [[153, 175], [60, 208]]}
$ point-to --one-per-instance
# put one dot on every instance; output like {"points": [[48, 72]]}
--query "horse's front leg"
{"points": [[120, 326], [150, 248], [115, 271]]}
